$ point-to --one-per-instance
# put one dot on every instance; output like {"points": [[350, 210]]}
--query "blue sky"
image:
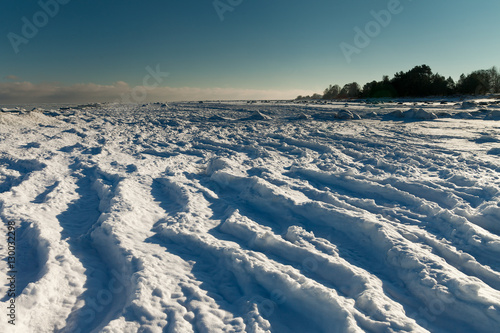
{"points": [[261, 49]]}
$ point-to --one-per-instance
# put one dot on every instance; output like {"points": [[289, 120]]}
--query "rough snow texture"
{"points": [[221, 217]]}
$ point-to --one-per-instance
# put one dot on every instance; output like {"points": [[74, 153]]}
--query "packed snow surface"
{"points": [[252, 217]]}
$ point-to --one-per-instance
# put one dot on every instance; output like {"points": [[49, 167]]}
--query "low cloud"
{"points": [[27, 92], [13, 78]]}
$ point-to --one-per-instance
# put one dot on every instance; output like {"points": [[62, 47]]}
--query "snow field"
{"points": [[228, 217]]}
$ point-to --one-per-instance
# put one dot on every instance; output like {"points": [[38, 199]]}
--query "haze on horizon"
{"points": [[66, 51]]}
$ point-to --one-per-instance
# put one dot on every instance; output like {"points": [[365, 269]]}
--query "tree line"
{"points": [[417, 82]]}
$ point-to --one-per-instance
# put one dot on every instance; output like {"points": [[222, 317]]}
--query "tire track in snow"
{"points": [[78, 221], [13, 173], [409, 227], [411, 209], [261, 280], [31, 255], [174, 199], [403, 256], [299, 248], [412, 229], [276, 255], [215, 267]]}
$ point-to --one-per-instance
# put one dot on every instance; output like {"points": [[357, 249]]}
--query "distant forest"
{"points": [[417, 82]]}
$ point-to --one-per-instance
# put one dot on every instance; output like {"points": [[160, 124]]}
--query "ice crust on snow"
{"points": [[469, 105], [196, 217], [347, 115], [493, 115], [416, 114], [419, 114], [257, 115]]}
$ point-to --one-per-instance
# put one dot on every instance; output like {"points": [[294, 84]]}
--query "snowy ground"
{"points": [[215, 218]]}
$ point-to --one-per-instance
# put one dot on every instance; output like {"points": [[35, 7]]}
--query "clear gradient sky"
{"points": [[95, 50]]}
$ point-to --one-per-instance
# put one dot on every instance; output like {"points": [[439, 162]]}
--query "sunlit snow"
{"points": [[253, 217]]}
